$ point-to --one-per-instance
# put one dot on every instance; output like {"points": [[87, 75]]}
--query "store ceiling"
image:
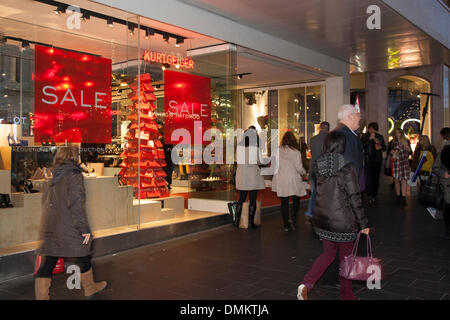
{"points": [[36, 21], [337, 28]]}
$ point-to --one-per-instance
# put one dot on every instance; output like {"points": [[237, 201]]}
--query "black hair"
{"points": [[325, 124], [251, 137], [373, 125], [334, 142], [445, 133]]}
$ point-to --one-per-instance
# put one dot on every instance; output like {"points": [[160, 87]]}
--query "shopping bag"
{"points": [[59, 267], [360, 268], [243, 223]]}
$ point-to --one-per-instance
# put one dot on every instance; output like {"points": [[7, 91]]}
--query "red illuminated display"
{"points": [[164, 58], [187, 98], [72, 97]]}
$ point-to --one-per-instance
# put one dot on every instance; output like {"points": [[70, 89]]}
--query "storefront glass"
{"points": [[98, 82]]}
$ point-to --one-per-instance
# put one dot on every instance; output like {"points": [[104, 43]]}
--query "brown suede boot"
{"points": [[90, 287], [42, 288]]}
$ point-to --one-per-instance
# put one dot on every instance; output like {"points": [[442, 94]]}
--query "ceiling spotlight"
{"points": [[179, 41], [110, 22], [131, 28], [25, 44], [148, 33], [166, 37], [61, 9], [240, 76], [85, 16]]}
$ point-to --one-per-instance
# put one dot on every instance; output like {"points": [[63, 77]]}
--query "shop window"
{"points": [[406, 106]]}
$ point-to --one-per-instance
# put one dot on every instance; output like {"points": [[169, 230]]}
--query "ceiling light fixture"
{"points": [[61, 9], [25, 44], [179, 41], [110, 22], [131, 28], [85, 16], [166, 37], [148, 33], [240, 76]]}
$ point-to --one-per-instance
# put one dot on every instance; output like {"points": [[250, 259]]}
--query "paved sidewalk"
{"points": [[268, 263]]}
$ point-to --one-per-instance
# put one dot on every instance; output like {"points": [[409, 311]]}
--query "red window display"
{"points": [[187, 99], [72, 96]]}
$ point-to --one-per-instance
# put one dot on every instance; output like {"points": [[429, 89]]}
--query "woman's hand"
{"points": [[446, 175], [365, 231], [86, 236]]}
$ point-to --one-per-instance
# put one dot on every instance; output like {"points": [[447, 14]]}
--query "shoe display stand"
{"points": [[157, 209], [144, 156]]}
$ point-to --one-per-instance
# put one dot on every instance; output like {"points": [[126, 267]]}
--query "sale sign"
{"points": [[72, 97], [187, 99]]}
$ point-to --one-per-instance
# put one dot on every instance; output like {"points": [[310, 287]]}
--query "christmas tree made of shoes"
{"points": [[152, 182]]}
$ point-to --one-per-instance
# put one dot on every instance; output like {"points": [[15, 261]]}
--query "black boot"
{"points": [[5, 201], [399, 199], [251, 216], [403, 201], [238, 214]]}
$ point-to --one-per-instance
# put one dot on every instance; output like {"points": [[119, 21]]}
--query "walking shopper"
{"points": [[401, 150], [339, 214], [443, 171], [65, 229], [248, 175], [316, 145], [349, 118], [287, 181], [373, 145], [424, 145]]}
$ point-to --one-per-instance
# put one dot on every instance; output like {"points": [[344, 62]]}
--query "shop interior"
{"points": [[247, 87]]}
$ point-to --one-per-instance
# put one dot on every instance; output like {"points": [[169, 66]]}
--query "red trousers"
{"points": [[322, 263]]}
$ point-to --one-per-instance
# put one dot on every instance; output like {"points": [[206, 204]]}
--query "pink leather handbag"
{"points": [[360, 268]]}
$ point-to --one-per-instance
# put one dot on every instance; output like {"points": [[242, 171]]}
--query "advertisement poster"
{"points": [[72, 97], [187, 99]]}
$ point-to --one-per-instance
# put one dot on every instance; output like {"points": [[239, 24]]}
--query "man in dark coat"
{"points": [[349, 119], [316, 146]]}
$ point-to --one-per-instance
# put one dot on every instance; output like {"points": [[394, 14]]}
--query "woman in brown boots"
{"points": [[65, 229]]}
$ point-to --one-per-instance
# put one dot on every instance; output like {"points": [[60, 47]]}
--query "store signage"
{"points": [[164, 58], [187, 99], [72, 96]]}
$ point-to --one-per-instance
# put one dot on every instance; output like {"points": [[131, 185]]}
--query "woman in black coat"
{"points": [[64, 229], [339, 214]]}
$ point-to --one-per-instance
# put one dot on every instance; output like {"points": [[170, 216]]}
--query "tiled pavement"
{"points": [[267, 263]]}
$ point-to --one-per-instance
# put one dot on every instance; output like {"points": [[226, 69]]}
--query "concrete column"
{"points": [[337, 93]]}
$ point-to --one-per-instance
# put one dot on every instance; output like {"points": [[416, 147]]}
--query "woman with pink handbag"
{"points": [[339, 214]]}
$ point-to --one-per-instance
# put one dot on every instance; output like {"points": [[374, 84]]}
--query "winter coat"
{"points": [[316, 145], [439, 168], [288, 181], [372, 156], [248, 173], [353, 148], [338, 213], [64, 214]]}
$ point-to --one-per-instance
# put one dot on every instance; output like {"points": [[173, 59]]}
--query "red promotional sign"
{"points": [[72, 97], [187, 99]]}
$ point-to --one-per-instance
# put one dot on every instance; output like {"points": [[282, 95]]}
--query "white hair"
{"points": [[345, 110]]}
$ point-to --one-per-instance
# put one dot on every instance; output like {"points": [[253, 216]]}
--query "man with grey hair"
{"points": [[349, 118]]}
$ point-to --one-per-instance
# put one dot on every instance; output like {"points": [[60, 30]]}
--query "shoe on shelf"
{"points": [[286, 229], [302, 292]]}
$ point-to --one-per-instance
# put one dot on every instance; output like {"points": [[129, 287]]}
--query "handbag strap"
{"points": [[369, 247], [355, 246]]}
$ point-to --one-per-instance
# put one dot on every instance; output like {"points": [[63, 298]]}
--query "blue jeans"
{"points": [[312, 200]]}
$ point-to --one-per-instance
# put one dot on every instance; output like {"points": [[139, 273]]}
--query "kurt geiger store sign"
{"points": [[164, 58]]}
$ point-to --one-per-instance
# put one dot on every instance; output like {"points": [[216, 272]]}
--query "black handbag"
{"points": [[430, 192]]}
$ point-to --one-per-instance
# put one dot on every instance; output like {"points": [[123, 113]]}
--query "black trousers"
{"points": [[447, 216], [373, 179], [243, 196], [49, 262], [285, 210]]}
